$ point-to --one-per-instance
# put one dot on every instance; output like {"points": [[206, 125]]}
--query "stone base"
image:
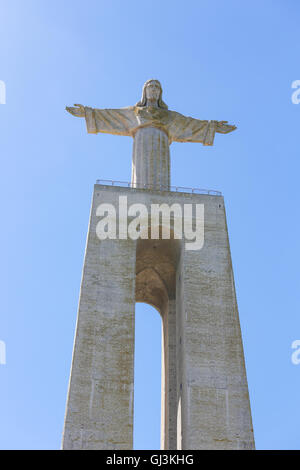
{"points": [[205, 402]]}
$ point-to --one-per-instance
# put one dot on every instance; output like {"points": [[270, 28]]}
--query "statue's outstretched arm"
{"points": [[110, 121], [79, 111], [187, 129]]}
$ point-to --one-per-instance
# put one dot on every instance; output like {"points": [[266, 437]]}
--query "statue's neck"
{"points": [[152, 103]]}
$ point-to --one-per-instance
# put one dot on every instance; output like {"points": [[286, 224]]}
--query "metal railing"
{"points": [[179, 189]]}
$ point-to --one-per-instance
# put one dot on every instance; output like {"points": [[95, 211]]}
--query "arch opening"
{"points": [[156, 266], [147, 378]]}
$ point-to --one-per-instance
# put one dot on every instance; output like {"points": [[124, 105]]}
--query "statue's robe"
{"points": [[153, 130]]}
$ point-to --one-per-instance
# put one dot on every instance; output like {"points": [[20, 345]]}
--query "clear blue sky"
{"points": [[219, 60]]}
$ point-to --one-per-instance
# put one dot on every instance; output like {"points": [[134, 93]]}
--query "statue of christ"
{"points": [[153, 128]]}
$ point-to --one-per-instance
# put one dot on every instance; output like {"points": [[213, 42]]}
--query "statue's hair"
{"points": [[143, 101]]}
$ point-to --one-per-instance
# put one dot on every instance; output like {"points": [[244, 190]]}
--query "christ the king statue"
{"points": [[153, 128]]}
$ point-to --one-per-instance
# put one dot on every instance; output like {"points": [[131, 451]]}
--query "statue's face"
{"points": [[153, 91]]}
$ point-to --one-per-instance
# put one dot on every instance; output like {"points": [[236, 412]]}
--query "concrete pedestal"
{"points": [[205, 402]]}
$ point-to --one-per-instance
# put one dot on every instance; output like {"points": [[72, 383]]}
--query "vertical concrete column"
{"points": [[180, 375], [213, 401], [99, 411], [172, 378], [169, 379]]}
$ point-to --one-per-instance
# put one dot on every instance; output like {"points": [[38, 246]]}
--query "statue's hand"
{"points": [[223, 127], [78, 111]]}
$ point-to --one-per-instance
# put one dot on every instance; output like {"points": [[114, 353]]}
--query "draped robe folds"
{"points": [[153, 130]]}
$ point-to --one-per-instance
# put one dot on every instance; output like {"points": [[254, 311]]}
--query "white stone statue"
{"points": [[153, 128]]}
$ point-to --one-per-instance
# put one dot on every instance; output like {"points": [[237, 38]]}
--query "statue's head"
{"points": [[152, 90]]}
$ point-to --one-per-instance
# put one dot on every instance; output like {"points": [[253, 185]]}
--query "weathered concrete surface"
{"points": [[211, 377], [100, 402], [204, 391]]}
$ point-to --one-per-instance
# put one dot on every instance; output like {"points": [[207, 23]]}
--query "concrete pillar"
{"points": [[204, 388], [212, 385], [100, 400], [169, 379]]}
